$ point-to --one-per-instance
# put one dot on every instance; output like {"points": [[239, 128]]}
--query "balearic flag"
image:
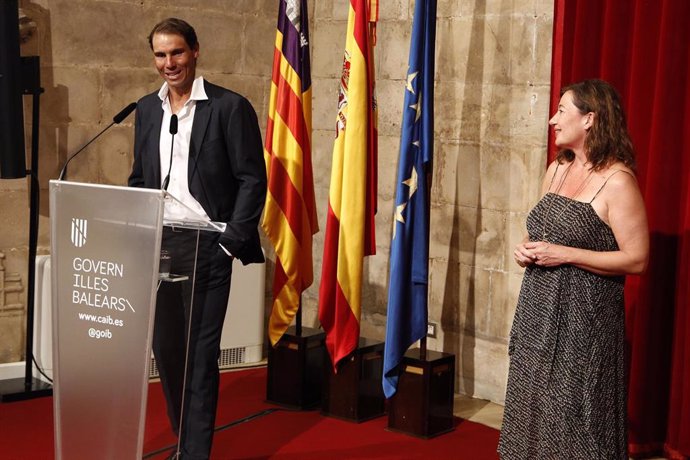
{"points": [[352, 194], [289, 219], [409, 260]]}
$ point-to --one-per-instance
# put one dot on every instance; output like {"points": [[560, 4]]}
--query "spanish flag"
{"points": [[352, 195], [289, 219]]}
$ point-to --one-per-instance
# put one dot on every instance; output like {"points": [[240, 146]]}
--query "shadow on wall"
{"points": [[465, 314], [54, 116], [456, 338]]}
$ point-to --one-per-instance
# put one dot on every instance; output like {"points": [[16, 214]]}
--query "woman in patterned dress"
{"points": [[566, 395]]}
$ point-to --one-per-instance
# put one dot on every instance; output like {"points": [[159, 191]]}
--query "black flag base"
{"points": [[355, 392], [295, 369], [423, 403], [12, 390]]}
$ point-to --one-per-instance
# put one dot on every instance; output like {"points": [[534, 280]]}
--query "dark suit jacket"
{"points": [[227, 173]]}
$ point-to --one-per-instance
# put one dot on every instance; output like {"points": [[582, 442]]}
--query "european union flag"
{"points": [[409, 272]]}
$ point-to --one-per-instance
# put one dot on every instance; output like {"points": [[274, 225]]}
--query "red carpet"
{"points": [[26, 431]]}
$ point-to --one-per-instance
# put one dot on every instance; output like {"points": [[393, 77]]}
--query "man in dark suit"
{"points": [[217, 172]]}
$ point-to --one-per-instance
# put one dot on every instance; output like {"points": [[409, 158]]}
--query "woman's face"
{"points": [[569, 125]]}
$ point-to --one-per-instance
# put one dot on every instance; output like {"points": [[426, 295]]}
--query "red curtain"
{"points": [[642, 47]]}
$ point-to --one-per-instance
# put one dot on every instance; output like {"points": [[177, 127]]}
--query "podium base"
{"points": [[295, 369], [423, 403], [12, 390], [355, 392]]}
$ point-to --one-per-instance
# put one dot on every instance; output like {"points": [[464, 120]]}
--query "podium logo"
{"points": [[79, 227]]}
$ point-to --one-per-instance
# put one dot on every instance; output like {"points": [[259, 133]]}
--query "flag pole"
{"points": [[298, 318], [429, 176]]}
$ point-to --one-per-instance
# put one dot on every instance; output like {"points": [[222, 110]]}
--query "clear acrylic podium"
{"points": [[105, 246]]}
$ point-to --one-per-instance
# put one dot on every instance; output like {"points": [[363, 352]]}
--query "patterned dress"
{"points": [[566, 396]]}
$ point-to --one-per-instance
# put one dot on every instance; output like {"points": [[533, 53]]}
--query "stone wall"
{"points": [[492, 85]]}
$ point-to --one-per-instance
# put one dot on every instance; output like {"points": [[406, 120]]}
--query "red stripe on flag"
{"points": [[344, 337], [361, 30], [329, 267], [289, 107], [286, 196], [335, 314]]}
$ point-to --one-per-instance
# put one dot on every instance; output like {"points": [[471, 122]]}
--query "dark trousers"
{"points": [[172, 323]]}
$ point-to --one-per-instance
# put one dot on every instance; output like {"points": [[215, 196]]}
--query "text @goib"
{"points": [[98, 334]]}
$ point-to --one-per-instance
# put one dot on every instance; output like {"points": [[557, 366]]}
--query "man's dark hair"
{"points": [[175, 26]]}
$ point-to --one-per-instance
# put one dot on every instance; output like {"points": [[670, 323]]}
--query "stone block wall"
{"points": [[492, 88]]}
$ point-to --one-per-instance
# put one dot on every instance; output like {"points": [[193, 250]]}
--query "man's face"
{"points": [[175, 61]]}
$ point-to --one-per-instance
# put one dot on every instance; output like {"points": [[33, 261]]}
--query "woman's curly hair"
{"points": [[607, 141]]}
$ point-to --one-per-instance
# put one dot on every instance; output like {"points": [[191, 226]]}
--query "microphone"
{"points": [[173, 131], [124, 113], [173, 124], [117, 119]]}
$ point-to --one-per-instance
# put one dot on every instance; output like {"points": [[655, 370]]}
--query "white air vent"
{"points": [[231, 357]]}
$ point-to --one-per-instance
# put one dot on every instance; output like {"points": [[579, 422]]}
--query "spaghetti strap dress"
{"points": [[566, 394]]}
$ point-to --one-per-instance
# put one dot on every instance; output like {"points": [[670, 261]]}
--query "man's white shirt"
{"points": [[178, 185]]}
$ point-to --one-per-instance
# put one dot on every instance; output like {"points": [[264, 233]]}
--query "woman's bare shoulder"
{"points": [[618, 172], [619, 178], [550, 173]]}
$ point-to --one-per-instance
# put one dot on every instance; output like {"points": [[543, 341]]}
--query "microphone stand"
{"points": [[117, 119], [29, 387], [63, 171], [173, 131]]}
